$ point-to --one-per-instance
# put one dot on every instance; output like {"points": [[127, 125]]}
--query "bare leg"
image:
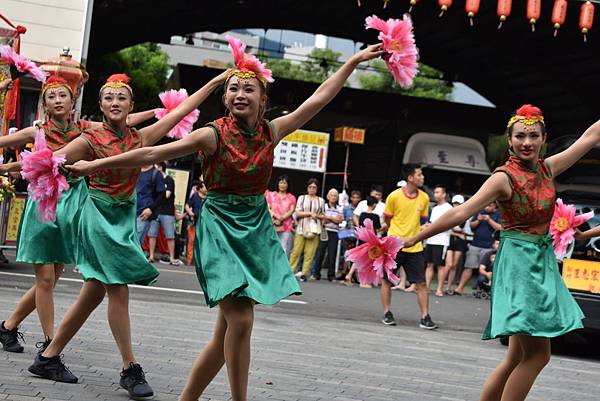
{"points": [[118, 319], [24, 308], [496, 381], [423, 299], [452, 271], [207, 364], [239, 315], [464, 279], [44, 299], [91, 295], [151, 247], [385, 292], [428, 274], [171, 246], [536, 355], [441, 277]]}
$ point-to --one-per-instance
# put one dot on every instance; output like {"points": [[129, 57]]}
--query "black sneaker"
{"points": [[134, 381], [427, 324], [10, 339], [42, 345], [388, 319], [52, 369]]}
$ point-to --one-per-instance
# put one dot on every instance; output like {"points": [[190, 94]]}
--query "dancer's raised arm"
{"points": [[156, 131], [201, 139], [565, 159], [323, 95], [19, 138], [496, 187]]}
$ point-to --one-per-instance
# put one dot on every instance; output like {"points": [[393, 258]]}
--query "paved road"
{"points": [[329, 346]]}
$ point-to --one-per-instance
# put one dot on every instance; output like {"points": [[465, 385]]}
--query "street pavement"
{"points": [[328, 344]]}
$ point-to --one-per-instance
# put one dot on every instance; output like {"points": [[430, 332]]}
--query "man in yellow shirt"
{"points": [[404, 209]]}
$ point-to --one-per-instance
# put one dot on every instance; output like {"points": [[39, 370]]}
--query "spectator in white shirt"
{"points": [[377, 193], [437, 245]]}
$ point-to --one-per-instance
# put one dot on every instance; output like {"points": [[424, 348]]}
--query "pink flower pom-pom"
{"points": [[399, 42], [563, 225], [41, 169], [21, 63], [376, 258], [171, 99]]}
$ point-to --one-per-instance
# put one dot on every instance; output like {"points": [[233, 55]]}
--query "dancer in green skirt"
{"points": [[239, 261], [48, 246], [107, 252], [530, 301]]}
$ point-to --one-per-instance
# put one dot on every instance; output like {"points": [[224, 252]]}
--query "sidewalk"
{"points": [[295, 358]]}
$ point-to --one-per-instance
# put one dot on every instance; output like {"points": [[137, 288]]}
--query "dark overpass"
{"points": [[508, 66]]}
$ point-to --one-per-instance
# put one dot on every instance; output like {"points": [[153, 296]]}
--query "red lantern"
{"points": [[534, 10], [559, 14], [444, 5], [412, 4], [586, 18], [472, 8], [503, 10]]}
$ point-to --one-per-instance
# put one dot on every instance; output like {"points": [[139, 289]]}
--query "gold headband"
{"points": [[116, 85], [247, 75], [55, 85], [527, 120]]}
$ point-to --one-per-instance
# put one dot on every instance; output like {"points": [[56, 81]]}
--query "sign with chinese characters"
{"points": [[181, 178], [303, 150], [582, 275], [349, 135], [13, 218]]}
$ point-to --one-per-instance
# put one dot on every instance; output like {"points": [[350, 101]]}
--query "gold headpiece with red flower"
{"points": [[247, 65], [117, 81], [528, 115], [55, 81]]}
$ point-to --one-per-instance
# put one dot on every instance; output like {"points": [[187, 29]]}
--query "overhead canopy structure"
{"points": [[509, 66], [446, 152]]}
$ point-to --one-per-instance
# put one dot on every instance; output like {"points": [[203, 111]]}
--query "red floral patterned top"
{"points": [[533, 197], [57, 137], [243, 161], [105, 141]]}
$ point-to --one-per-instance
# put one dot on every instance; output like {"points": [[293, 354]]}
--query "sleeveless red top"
{"points": [[57, 137], [531, 206], [243, 161], [105, 141]]}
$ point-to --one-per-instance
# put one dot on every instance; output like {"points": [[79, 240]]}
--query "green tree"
{"points": [[428, 83], [147, 66], [319, 64]]}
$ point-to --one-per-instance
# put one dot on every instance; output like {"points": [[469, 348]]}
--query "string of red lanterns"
{"points": [[534, 10]]}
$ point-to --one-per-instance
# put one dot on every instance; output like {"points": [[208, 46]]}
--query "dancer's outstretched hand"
{"points": [[369, 53], [408, 242], [82, 168]]}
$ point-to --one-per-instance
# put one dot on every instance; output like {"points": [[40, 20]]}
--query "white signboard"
{"points": [[303, 150]]}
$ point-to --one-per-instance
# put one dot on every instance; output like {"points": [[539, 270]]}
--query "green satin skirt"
{"points": [[54, 241], [529, 295], [238, 253], [108, 248]]}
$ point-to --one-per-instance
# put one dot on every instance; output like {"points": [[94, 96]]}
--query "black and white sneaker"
{"points": [[427, 324], [388, 319], [42, 345], [10, 339], [52, 369], [134, 381]]}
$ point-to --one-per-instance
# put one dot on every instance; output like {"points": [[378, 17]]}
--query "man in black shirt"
{"points": [[166, 217]]}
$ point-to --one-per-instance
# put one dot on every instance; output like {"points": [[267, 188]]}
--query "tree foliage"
{"points": [[428, 83], [147, 66], [319, 64]]}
